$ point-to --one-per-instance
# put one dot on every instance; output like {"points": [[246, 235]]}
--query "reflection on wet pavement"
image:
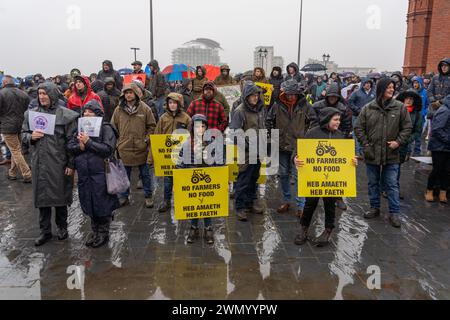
{"points": [[148, 257]]}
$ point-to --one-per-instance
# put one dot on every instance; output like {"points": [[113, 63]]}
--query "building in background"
{"points": [[264, 57], [277, 61], [197, 52], [427, 38]]}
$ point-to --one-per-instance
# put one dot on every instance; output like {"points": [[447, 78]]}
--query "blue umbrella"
{"points": [[16, 81], [125, 71], [177, 72]]}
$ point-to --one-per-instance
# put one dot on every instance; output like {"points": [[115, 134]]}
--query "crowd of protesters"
{"points": [[387, 115]]}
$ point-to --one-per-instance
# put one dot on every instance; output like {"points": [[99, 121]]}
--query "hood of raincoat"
{"points": [[447, 61], [178, 98], [411, 93], [52, 91], [95, 107], [325, 116], [196, 72]]}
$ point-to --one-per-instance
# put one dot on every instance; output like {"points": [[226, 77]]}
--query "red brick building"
{"points": [[428, 35]]}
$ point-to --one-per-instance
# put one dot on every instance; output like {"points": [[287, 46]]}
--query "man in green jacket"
{"points": [[382, 126]]}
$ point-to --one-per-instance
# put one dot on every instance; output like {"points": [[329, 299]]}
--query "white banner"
{"points": [[43, 122], [90, 125]]}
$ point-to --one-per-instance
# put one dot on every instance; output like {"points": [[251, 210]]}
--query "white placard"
{"points": [[43, 122], [90, 125], [427, 160]]}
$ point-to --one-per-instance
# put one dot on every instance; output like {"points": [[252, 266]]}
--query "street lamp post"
{"points": [[135, 49], [262, 54], [326, 59], [300, 33], [151, 30]]}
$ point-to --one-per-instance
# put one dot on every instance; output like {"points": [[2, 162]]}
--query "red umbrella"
{"points": [[212, 72]]}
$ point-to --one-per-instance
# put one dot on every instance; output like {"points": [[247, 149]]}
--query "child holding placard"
{"points": [[196, 145], [329, 121], [174, 118]]}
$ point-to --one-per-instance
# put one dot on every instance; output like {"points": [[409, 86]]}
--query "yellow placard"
{"points": [[163, 146], [200, 193], [233, 168], [269, 89], [328, 170]]}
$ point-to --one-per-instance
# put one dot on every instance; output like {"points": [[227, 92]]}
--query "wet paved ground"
{"points": [[148, 258]]}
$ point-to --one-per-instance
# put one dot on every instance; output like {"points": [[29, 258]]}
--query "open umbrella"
{"points": [[374, 75], [313, 67], [125, 71], [178, 72], [346, 74], [212, 72], [16, 81]]}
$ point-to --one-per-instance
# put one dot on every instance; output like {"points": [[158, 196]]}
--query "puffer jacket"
{"points": [[360, 97]]}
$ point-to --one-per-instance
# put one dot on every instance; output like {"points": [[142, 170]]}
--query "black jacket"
{"points": [[346, 117], [102, 75], [13, 103], [322, 131]]}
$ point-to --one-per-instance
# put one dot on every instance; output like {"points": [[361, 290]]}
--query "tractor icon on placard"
{"points": [[323, 148], [172, 142], [199, 175]]}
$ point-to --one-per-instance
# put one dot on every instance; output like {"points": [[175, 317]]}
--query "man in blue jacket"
{"points": [[357, 101]]}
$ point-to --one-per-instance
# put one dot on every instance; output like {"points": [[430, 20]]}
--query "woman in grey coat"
{"points": [[52, 164]]}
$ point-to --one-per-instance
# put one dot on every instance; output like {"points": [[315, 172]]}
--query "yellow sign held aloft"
{"points": [[328, 171], [165, 150], [200, 193], [268, 91]]}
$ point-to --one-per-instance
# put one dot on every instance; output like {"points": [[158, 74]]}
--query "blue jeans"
{"points": [[285, 170], [286, 167], [159, 103], [147, 180], [358, 146], [206, 221], [298, 200], [7, 153], [387, 175], [418, 141], [168, 186]]}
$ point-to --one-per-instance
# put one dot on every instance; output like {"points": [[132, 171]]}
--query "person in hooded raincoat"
{"points": [[109, 72], [89, 159], [51, 163], [82, 94]]}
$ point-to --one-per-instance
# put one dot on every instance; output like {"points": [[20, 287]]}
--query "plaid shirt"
{"points": [[213, 111]]}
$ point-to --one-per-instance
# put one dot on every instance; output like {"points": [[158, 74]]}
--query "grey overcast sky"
{"points": [[38, 36]]}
